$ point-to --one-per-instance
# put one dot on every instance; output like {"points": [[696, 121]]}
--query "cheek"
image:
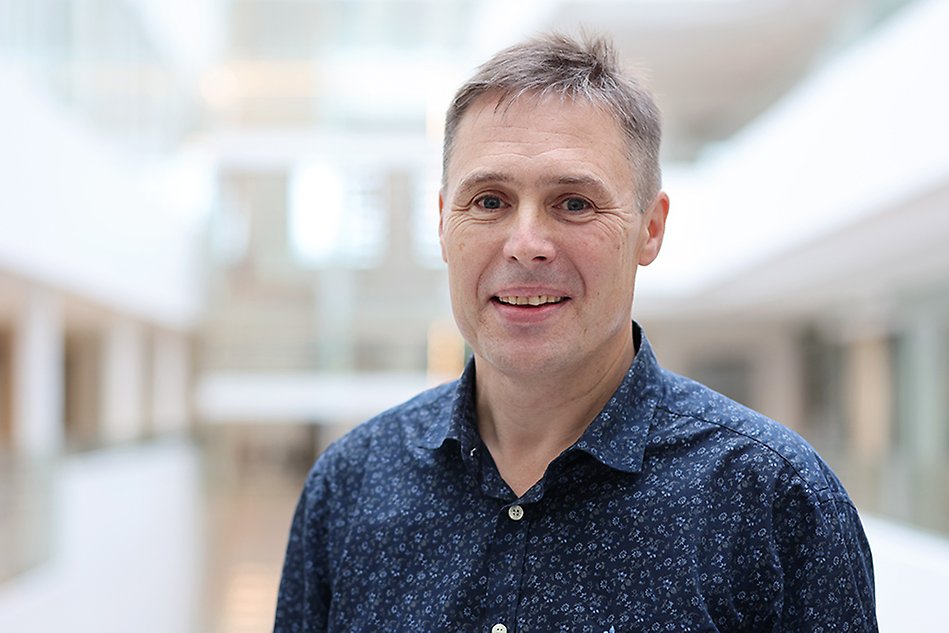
{"points": [[465, 262], [456, 236], [453, 249], [472, 246], [608, 275], [616, 234]]}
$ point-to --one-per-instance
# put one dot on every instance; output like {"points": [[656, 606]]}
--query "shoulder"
{"points": [[785, 512], [385, 439], [740, 437]]}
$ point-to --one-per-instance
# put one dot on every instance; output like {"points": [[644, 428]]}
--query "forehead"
{"points": [[541, 133]]}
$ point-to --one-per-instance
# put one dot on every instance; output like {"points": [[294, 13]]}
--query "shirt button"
{"points": [[498, 628], [516, 513]]}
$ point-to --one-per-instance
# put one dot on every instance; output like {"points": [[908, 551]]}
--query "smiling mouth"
{"points": [[533, 301]]}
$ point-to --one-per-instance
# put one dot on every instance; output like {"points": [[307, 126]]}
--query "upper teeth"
{"points": [[533, 301]]}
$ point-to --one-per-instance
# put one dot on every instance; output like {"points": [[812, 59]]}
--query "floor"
{"points": [[247, 528]]}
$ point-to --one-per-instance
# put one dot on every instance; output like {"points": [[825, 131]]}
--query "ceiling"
{"points": [[370, 65], [714, 66]]}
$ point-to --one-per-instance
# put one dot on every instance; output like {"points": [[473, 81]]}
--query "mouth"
{"points": [[530, 301]]}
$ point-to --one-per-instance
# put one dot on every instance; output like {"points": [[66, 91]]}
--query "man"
{"points": [[566, 482]]}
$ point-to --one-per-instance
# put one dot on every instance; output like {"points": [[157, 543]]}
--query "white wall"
{"points": [[912, 576], [863, 134], [127, 547], [83, 216]]}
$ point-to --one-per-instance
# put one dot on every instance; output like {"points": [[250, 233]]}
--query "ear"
{"points": [[441, 221], [653, 228]]}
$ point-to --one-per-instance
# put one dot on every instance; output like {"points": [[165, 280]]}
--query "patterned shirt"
{"points": [[677, 510]]}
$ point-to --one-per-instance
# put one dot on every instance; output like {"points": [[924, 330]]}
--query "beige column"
{"points": [[869, 397], [123, 381], [38, 427], [170, 381], [778, 375]]}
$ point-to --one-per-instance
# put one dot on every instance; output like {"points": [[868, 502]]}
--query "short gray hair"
{"points": [[558, 65]]}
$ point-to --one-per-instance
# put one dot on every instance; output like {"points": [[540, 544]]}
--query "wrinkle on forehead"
{"points": [[507, 106]]}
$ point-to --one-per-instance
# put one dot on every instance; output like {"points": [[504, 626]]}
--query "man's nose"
{"points": [[530, 238]]}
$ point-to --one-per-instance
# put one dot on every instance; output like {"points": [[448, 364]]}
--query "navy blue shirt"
{"points": [[677, 510]]}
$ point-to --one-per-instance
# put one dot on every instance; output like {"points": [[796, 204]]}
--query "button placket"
{"points": [[505, 568]]}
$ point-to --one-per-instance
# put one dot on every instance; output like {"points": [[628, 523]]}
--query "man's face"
{"points": [[542, 234]]}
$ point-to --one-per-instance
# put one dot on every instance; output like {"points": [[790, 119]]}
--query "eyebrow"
{"points": [[585, 181], [588, 182], [482, 177]]}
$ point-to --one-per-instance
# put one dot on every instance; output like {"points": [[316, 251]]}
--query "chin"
{"points": [[525, 362]]}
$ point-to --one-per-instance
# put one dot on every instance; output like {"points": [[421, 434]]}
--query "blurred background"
{"points": [[218, 251]]}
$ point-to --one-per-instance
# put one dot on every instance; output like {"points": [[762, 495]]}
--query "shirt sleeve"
{"points": [[304, 598], [825, 561]]}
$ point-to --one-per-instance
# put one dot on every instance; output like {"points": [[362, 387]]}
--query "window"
{"points": [[337, 217]]}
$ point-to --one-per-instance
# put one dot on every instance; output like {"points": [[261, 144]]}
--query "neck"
{"points": [[526, 421]]}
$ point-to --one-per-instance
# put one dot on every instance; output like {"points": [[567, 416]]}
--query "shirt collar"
{"points": [[616, 437], [459, 424]]}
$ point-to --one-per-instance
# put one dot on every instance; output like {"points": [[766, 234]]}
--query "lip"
{"points": [[528, 315]]}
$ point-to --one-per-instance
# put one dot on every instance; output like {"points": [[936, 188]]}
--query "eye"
{"points": [[575, 205], [489, 202]]}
